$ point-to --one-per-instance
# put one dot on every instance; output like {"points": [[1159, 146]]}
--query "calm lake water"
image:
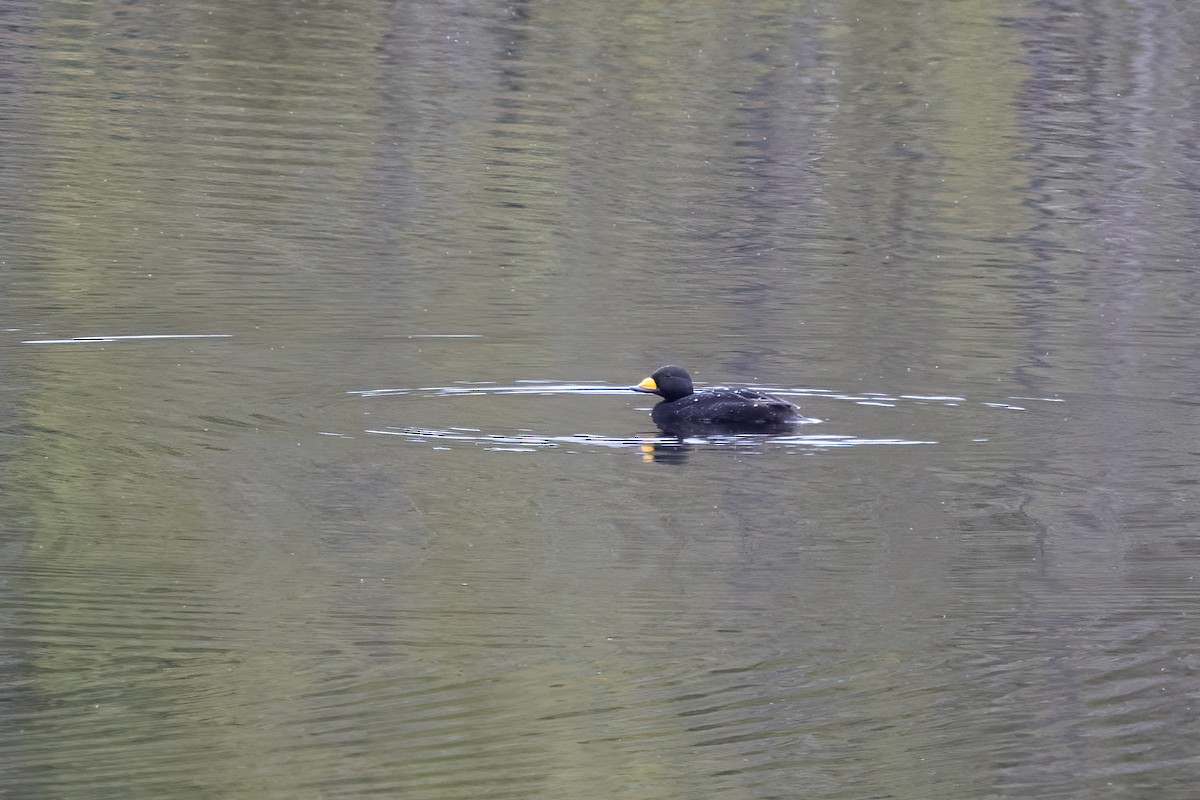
{"points": [[320, 476]]}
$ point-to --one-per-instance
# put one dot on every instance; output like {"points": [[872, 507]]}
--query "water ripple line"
{"points": [[128, 338]]}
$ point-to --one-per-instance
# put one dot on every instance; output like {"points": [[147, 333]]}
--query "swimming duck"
{"points": [[685, 411]]}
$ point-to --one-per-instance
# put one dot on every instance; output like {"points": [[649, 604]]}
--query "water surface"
{"points": [[320, 475]]}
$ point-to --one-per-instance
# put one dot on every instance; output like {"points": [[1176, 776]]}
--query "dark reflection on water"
{"points": [[230, 570]]}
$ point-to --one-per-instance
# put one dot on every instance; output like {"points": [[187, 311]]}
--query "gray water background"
{"points": [[392, 529]]}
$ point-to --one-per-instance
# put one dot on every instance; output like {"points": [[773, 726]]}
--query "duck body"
{"points": [[684, 411]]}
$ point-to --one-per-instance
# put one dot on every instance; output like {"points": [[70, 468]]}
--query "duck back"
{"points": [[727, 410]]}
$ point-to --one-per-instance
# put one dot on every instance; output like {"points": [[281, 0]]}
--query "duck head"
{"points": [[669, 383]]}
